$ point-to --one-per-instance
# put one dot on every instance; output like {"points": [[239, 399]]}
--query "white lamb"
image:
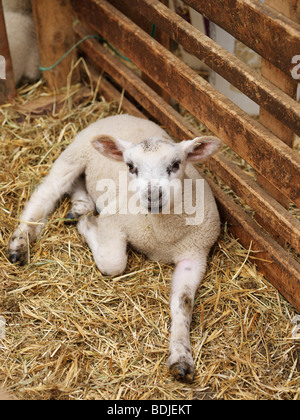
{"points": [[23, 45], [152, 161]]}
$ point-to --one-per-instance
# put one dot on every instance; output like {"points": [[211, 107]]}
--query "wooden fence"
{"points": [[266, 145]]}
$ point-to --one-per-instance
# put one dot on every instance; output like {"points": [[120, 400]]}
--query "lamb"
{"points": [[138, 155], [23, 45]]}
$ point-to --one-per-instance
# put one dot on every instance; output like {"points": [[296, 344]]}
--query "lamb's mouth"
{"points": [[157, 206], [155, 201]]}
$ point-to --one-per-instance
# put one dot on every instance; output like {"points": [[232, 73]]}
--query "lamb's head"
{"points": [[156, 163]]}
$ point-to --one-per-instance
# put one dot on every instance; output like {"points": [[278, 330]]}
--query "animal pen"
{"points": [[128, 50]]}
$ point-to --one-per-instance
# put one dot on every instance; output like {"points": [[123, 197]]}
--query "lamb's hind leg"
{"points": [[107, 243], [59, 182], [82, 203]]}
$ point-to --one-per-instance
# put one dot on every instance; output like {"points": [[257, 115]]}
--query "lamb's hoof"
{"points": [[182, 371], [18, 250], [19, 259]]}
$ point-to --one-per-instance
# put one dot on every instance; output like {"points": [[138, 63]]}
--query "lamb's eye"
{"points": [[132, 169], [174, 167]]}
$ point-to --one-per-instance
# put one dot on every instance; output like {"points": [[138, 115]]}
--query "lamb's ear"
{"points": [[110, 147], [200, 148]]}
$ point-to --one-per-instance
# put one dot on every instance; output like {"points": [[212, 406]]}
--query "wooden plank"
{"points": [[164, 40], [140, 91], [277, 265], [53, 21], [287, 85], [242, 184], [269, 33], [240, 75], [7, 86], [129, 9], [281, 224], [290, 8], [264, 151]]}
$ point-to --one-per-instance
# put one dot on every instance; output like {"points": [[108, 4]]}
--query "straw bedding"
{"points": [[72, 333]]}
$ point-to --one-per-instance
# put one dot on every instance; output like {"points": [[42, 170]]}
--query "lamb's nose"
{"points": [[155, 200], [152, 194]]}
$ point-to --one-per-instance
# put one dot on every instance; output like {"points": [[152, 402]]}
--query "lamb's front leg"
{"points": [[60, 180], [186, 279]]}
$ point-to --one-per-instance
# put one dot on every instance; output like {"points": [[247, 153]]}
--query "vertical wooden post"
{"points": [[53, 22], [291, 9], [7, 85]]}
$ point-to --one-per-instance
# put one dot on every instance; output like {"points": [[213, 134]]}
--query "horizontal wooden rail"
{"points": [[264, 151], [281, 222], [269, 33], [242, 184], [278, 266], [248, 81], [101, 59]]}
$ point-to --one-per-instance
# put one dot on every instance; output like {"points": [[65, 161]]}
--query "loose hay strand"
{"points": [[72, 333]]}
